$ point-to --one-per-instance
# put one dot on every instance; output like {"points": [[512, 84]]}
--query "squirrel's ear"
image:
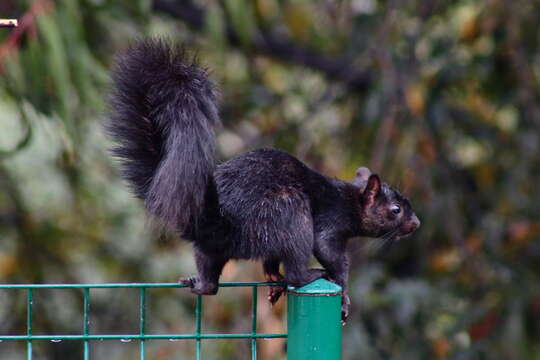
{"points": [[361, 177], [373, 188]]}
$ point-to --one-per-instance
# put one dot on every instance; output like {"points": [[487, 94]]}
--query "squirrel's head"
{"points": [[384, 212]]}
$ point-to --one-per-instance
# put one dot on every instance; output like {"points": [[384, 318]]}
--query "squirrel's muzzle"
{"points": [[410, 225]]}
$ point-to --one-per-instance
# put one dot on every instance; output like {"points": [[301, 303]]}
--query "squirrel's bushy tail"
{"points": [[163, 117]]}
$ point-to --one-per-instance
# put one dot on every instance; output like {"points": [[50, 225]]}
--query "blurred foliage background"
{"points": [[440, 97]]}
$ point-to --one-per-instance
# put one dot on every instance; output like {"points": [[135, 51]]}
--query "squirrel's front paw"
{"points": [[344, 313], [345, 308]]}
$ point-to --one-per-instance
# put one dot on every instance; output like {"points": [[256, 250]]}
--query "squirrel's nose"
{"points": [[415, 222]]}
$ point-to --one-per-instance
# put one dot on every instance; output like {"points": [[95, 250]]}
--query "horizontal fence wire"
{"points": [[130, 285], [142, 336]]}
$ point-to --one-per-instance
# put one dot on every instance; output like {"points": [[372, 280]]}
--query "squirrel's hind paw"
{"points": [[199, 287], [275, 293], [190, 281]]}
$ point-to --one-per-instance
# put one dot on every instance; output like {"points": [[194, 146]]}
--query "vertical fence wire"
{"points": [[142, 313], [86, 322], [254, 323], [29, 303], [198, 314]]}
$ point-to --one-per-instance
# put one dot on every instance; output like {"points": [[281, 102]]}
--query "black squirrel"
{"points": [[264, 204]]}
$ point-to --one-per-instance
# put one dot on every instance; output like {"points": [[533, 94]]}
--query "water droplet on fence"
{"points": [[1, 340], [174, 339], [56, 340], [125, 340]]}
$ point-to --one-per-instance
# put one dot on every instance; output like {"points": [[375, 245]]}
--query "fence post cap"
{"points": [[317, 287]]}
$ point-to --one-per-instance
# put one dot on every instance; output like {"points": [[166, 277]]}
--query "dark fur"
{"points": [[264, 204], [164, 115]]}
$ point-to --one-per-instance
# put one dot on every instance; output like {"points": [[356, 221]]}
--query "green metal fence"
{"points": [[313, 320]]}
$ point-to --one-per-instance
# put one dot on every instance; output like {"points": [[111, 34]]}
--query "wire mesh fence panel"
{"points": [[313, 321], [87, 336]]}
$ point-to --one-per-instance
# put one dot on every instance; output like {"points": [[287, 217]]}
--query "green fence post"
{"points": [[314, 321]]}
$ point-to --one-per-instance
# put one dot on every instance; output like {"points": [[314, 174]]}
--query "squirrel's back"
{"points": [[163, 115]]}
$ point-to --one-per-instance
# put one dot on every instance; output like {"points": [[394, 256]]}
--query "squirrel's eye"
{"points": [[396, 209]]}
